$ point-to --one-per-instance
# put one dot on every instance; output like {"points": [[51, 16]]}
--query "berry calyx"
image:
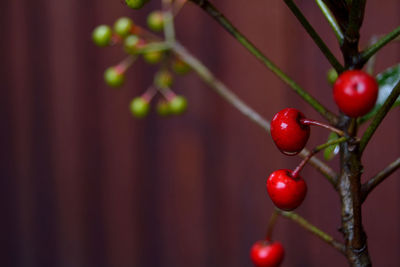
{"points": [[288, 132], [163, 79], [114, 77], [286, 191], [177, 105], [136, 4], [155, 21], [139, 107], [102, 35], [267, 254], [153, 57], [123, 26], [180, 67], [355, 92]]}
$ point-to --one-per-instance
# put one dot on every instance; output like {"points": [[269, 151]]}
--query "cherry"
{"points": [[163, 108], [135, 4], [132, 43], [287, 191], [331, 75], [139, 107], [153, 57], [177, 105], [102, 35], [180, 67], [123, 26], [163, 79], [267, 254], [114, 77], [155, 21], [288, 132], [355, 92]]}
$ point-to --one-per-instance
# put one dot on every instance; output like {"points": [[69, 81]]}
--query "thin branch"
{"points": [[380, 115], [235, 101], [379, 178], [224, 22], [370, 51], [314, 35], [313, 229], [331, 20]]}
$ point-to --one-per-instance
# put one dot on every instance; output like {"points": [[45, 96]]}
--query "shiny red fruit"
{"points": [[286, 192], [267, 254], [288, 133], [355, 92]]}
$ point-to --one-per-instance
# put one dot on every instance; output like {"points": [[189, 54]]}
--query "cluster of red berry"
{"points": [[355, 92], [136, 42]]}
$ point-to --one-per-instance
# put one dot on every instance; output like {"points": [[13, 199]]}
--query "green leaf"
{"points": [[331, 151], [387, 81]]}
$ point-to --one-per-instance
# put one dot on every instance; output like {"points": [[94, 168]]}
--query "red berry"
{"points": [[355, 92], [267, 254], [287, 192], [288, 133]]}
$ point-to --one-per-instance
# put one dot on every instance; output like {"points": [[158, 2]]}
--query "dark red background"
{"points": [[84, 184]]}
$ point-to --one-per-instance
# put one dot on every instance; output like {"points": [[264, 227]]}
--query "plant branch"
{"points": [[313, 229], [314, 35], [203, 72], [331, 20], [379, 178], [380, 115], [224, 22], [370, 51]]}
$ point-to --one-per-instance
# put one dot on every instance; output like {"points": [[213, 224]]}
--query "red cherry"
{"points": [[287, 192], [355, 92], [288, 133], [267, 254]]}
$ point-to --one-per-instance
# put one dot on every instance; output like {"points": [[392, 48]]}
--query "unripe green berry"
{"points": [[139, 107], [153, 57], [163, 79], [180, 67], [163, 108], [136, 4], [155, 21], [113, 77], [178, 105], [123, 26], [131, 43], [102, 35], [332, 75]]}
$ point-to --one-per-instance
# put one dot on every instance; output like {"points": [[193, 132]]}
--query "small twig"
{"points": [[221, 19], [379, 178], [271, 225], [313, 229], [380, 115], [314, 35], [370, 51], [331, 20], [246, 110]]}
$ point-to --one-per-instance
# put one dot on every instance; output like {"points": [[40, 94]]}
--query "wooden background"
{"points": [[82, 183]]}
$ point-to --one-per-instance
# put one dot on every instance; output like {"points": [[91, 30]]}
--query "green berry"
{"points": [[102, 35], [139, 107], [163, 108], [113, 77], [153, 57], [136, 4], [131, 43], [163, 79], [123, 26], [180, 67], [155, 21], [332, 75], [178, 105]]}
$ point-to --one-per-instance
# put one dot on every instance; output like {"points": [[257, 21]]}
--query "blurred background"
{"points": [[83, 183]]}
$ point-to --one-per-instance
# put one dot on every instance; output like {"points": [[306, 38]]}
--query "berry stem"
{"points": [[271, 224], [125, 64], [321, 124], [167, 93], [149, 94], [296, 171]]}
